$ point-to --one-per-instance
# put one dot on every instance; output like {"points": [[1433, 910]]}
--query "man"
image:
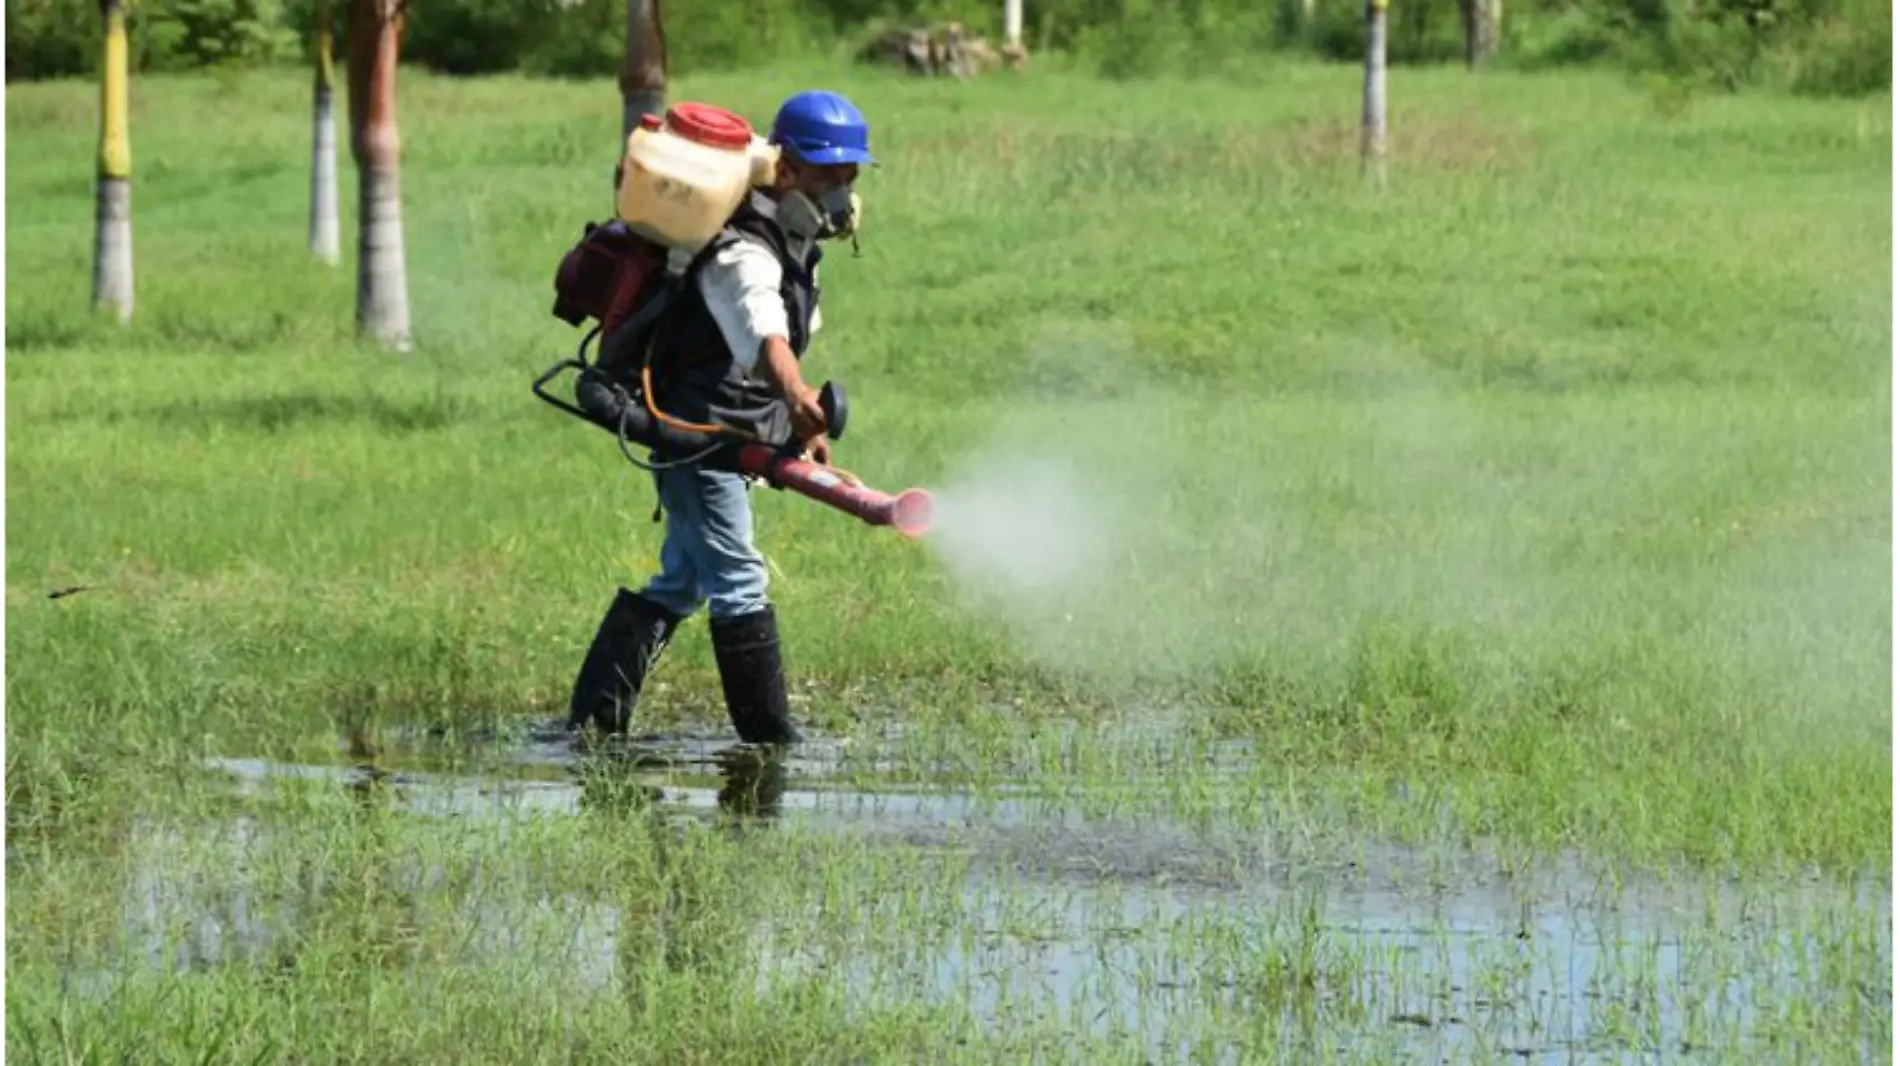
{"points": [[730, 352]]}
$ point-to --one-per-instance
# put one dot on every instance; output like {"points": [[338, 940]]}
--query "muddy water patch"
{"points": [[735, 782], [1379, 968], [1139, 935], [1146, 759]]}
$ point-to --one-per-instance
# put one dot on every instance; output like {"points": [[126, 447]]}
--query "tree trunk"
{"points": [[1372, 125], [323, 215], [112, 219], [643, 68], [1481, 20], [382, 289]]}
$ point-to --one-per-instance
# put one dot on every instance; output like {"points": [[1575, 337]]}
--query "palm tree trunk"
{"points": [[1490, 28], [1482, 19], [323, 215], [643, 68], [1372, 122], [112, 220], [382, 290]]}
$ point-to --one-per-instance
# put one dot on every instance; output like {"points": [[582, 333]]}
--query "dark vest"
{"points": [[695, 375]]}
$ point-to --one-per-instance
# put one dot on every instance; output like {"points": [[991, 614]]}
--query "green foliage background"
{"points": [[1836, 47]]}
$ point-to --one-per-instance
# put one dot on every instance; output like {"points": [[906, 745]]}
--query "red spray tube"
{"points": [[908, 512]]}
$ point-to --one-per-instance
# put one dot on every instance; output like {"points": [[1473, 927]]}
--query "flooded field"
{"points": [[1445, 624], [844, 881]]}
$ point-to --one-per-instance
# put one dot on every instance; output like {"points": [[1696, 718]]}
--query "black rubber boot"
{"points": [[750, 672], [628, 643]]}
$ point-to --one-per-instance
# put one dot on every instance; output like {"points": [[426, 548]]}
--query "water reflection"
{"points": [[752, 780], [755, 782], [1139, 930]]}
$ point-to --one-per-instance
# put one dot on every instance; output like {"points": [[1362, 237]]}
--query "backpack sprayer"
{"points": [[679, 182]]}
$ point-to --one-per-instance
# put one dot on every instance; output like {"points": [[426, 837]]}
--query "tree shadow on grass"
{"points": [[271, 414], [33, 332]]}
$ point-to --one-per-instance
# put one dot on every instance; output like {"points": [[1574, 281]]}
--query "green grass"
{"points": [[1542, 499]]}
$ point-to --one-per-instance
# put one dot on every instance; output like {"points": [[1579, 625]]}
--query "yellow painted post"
{"points": [[112, 221], [115, 143], [326, 68]]}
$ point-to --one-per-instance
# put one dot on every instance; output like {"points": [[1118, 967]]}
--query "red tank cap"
{"points": [[649, 121], [709, 125]]}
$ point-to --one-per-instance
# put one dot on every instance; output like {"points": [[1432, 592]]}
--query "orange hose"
{"points": [[646, 394]]}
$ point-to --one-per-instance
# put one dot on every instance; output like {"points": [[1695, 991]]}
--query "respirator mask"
{"points": [[832, 215]]}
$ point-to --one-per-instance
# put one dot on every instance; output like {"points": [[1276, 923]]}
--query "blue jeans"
{"points": [[708, 557]]}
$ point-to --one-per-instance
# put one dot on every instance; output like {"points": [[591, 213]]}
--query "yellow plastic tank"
{"points": [[685, 174], [764, 162]]}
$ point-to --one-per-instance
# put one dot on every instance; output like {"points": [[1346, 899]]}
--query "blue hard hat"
{"points": [[822, 128]]}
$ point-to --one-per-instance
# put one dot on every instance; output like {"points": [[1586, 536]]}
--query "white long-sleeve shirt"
{"points": [[741, 288]]}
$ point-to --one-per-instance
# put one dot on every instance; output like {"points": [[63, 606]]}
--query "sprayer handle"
{"points": [[832, 400]]}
